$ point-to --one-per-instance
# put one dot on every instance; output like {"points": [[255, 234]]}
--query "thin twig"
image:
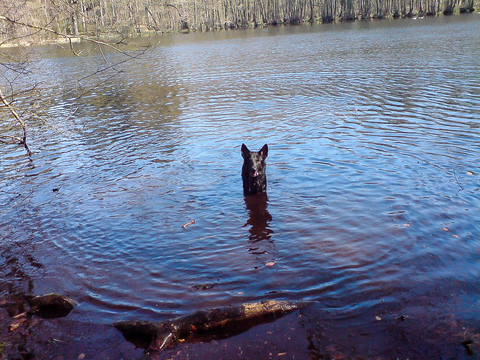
{"points": [[20, 120], [455, 176], [12, 137], [58, 33], [72, 48], [112, 66], [108, 67]]}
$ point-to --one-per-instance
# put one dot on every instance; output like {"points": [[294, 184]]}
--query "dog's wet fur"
{"points": [[253, 170]]}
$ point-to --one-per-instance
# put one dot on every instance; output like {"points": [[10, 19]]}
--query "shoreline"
{"points": [[142, 31]]}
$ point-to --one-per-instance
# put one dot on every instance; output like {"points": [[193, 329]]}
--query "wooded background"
{"points": [[128, 17]]}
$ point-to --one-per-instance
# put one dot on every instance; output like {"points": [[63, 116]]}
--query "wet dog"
{"points": [[253, 170]]}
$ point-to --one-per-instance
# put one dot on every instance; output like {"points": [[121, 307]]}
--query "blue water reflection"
{"points": [[373, 174]]}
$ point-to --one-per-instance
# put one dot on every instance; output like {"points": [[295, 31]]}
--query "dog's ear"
{"points": [[245, 151], [264, 151]]}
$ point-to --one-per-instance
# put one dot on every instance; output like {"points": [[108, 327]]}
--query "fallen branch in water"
{"points": [[156, 336]]}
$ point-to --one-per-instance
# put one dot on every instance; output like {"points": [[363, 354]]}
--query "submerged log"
{"points": [[156, 336]]}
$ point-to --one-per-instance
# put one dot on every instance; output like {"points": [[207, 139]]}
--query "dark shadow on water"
{"points": [[258, 220]]}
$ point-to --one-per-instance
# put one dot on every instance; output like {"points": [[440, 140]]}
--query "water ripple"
{"points": [[372, 168]]}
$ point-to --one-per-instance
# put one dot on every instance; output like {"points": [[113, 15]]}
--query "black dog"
{"points": [[253, 170]]}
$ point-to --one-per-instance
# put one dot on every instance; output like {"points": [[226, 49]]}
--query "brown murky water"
{"points": [[372, 208]]}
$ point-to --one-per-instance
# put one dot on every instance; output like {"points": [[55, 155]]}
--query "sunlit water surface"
{"points": [[373, 177]]}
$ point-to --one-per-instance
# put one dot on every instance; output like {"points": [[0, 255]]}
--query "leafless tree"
{"points": [[131, 17], [24, 22], [18, 29]]}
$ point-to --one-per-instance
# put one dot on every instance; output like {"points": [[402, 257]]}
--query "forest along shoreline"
{"points": [[35, 22]]}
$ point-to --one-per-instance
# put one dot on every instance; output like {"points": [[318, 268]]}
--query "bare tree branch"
{"points": [[58, 33], [20, 121]]}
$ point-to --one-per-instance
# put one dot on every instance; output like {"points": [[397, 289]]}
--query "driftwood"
{"points": [[191, 222], [156, 336]]}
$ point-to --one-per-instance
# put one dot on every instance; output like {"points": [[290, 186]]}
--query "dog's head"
{"points": [[253, 170]]}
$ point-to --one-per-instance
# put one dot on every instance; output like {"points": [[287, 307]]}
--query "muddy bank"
{"points": [[39, 328], [312, 333], [29, 336], [62, 339], [65, 339]]}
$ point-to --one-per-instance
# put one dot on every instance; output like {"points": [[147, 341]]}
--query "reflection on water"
{"points": [[258, 221], [373, 132]]}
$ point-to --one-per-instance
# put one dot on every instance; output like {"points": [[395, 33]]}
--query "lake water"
{"points": [[373, 174]]}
